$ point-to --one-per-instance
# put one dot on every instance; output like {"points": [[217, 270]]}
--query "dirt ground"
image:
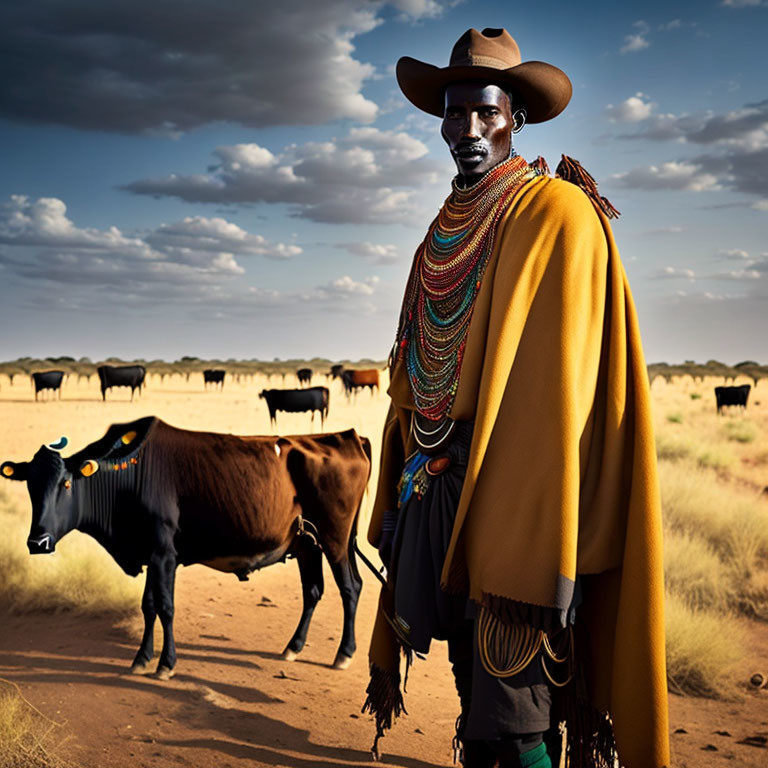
{"points": [[234, 702]]}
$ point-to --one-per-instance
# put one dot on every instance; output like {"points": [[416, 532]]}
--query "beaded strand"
{"points": [[444, 282]]}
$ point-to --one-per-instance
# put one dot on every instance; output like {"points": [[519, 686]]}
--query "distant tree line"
{"points": [[185, 366]]}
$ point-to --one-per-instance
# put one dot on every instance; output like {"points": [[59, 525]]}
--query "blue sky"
{"points": [[243, 179]]}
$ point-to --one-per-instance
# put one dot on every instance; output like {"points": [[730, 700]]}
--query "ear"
{"points": [[13, 471], [89, 468]]}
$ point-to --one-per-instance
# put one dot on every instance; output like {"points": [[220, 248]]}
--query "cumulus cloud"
{"points": [[378, 253], [672, 175], [43, 243], [363, 177], [637, 41], [139, 66], [217, 235], [736, 254], [743, 3], [735, 156], [670, 273], [632, 110]]}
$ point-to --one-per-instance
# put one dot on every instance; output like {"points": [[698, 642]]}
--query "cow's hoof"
{"points": [[164, 673], [140, 669], [289, 655], [342, 661]]}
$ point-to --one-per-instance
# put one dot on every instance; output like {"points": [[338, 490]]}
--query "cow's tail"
{"points": [[352, 548]]}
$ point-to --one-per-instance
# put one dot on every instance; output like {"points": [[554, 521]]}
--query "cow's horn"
{"points": [[128, 437], [61, 444], [89, 468]]}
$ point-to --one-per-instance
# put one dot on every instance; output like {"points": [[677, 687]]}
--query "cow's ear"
{"points": [[88, 468], [13, 471]]}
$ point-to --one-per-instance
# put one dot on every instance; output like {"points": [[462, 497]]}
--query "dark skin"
{"points": [[477, 127]]}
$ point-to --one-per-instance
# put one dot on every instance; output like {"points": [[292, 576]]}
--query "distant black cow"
{"points": [[336, 371], [47, 380], [156, 496], [296, 401], [354, 380], [121, 376], [732, 396], [214, 376], [304, 375]]}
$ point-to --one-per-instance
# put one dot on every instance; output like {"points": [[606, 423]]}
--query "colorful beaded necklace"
{"points": [[445, 278]]}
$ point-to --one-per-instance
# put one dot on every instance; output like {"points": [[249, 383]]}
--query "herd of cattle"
{"points": [[305, 399], [156, 497]]}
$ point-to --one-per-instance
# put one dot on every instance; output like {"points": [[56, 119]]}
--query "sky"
{"points": [[243, 179]]}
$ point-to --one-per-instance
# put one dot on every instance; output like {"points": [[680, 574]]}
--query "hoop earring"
{"points": [[519, 116]]}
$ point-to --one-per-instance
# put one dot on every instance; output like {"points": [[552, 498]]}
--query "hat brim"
{"points": [[545, 89]]}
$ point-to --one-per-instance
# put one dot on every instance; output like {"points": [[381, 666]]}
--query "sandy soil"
{"points": [[234, 702]]}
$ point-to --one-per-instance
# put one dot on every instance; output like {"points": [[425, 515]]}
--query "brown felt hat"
{"points": [[490, 56]]}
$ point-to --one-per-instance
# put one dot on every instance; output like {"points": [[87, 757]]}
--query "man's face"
{"points": [[477, 125]]}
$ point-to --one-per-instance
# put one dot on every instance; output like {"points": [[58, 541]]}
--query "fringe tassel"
{"points": [[540, 166], [384, 702], [571, 170], [589, 733]]}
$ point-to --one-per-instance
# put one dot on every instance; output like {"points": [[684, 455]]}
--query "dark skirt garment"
{"points": [[492, 708]]}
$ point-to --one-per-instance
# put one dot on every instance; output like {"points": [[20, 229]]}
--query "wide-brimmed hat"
{"points": [[490, 56]]}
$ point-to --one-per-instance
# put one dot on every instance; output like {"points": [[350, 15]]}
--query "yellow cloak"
{"points": [[562, 475]]}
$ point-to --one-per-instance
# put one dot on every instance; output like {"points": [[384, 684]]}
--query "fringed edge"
{"points": [[571, 170], [589, 741], [384, 702], [540, 166]]}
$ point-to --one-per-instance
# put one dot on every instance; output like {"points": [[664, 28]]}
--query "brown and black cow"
{"points": [[358, 379], [157, 497]]}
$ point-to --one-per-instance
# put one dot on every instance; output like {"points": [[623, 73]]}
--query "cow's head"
{"points": [[49, 483]]}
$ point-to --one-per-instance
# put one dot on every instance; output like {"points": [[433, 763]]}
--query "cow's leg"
{"points": [[147, 648], [310, 559], [162, 566], [349, 583]]}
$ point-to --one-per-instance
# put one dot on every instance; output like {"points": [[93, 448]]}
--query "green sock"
{"points": [[536, 758]]}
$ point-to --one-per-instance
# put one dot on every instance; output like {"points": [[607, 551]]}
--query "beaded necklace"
{"points": [[445, 278]]}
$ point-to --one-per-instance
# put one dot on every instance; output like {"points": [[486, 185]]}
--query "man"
{"points": [[517, 510]]}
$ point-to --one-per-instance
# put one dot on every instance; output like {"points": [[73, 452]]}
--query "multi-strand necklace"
{"points": [[445, 279]]}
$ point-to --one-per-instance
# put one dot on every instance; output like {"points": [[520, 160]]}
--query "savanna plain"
{"points": [[70, 622]]}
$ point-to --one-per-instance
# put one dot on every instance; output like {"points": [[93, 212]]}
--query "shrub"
{"points": [[675, 418], [671, 448], [741, 431], [695, 396], [695, 574], [702, 649]]}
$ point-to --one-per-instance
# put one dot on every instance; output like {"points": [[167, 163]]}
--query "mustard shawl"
{"points": [[561, 478]]}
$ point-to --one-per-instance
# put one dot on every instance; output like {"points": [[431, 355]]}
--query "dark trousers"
{"points": [[488, 734]]}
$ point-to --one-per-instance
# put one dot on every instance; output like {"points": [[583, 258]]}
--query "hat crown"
{"points": [[494, 48]]}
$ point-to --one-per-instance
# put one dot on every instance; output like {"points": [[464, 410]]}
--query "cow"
{"points": [[336, 371], [214, 376], [157, 497], [296, 401], [354, 380], [731, 396], [47, 380], [121, 376], [304, 375]]}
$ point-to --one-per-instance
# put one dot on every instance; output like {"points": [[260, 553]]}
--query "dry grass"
{"points": [[78, 577], [711, 470], [701, 649], [28, 739]]}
